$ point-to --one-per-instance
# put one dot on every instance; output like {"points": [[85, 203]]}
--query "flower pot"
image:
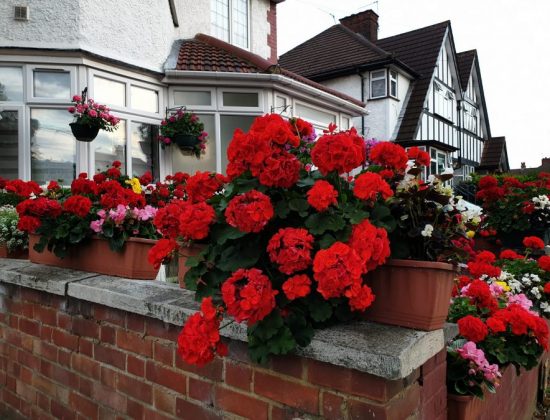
{"points": [[185, 253], [96, 256], [19, 254], [84, 132], [412, 294], [186, 141], [464, 407]]}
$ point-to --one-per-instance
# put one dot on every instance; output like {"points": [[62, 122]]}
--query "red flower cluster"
{"points": [[248, 295], [23, 189], [161, 251], [341, 152], [533, 242], [460, 283], [199, 340], [322, 195], [78, 205], [390, 155], [249, 212], [83, 185], [297, 286], [302, 128], [489, 190], [482, 264], [195, 220], [335, 269], [371, 244], [360, 297], [369, 184], [113, 194], [547, 288], [480, 295], [487, 181], [509, 254], [167, 219], [544, 262], [31, 211], [280, 169], [420, 157], [290, 249], [203, 185], [472, 328]]}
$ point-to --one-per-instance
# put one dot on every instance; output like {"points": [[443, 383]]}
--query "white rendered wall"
{"points": [[259, 27], [396, 106]]}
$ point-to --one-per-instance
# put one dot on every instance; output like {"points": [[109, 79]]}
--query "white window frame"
{"points": [[181, 88], [373, 78], [24, 84], [230, 24], [318, 124], [391, 79], [247, 109], [29, 83], [287, 112]]}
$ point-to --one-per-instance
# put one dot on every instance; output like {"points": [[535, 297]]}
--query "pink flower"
{"points": [[146, 213], [203, 135], [79, 109], [163, 122], [96, 225], [85, 106], [92, 113], [521, 300], [76, 98], [104, 115], [71, 109], [119, 214], [166, 140], [496, 290], [172, 119], [193, 118]]}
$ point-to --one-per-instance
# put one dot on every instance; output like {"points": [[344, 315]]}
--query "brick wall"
{"points": [[65, 358], [272, 35]]}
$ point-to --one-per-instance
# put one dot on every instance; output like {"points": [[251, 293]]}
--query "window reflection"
{"points": [[184, 162], [110, 146], [52, 84], [144, 99], [145, 148], [53, 147], [11, 84], [9, 133]]}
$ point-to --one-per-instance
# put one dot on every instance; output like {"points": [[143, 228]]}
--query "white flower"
{"points": [[535, 292], [428, 230], [545, 307], [526, 280]]}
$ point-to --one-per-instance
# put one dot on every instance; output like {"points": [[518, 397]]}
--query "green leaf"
{"points": [[319, 223], [220, 234], [319, 310], [306, 182], [282, 209], [298, 204], [240, 255], [380, 212], [326, 241]]}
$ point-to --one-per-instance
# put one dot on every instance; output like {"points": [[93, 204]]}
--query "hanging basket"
{"points": [[83, 132], [186, 141]]}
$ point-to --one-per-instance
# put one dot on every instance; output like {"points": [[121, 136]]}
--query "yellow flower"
{"points": [[470, 234], [136, 186], [504, 285]]}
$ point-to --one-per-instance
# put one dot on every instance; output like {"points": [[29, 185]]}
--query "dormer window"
{"points": [[393, 83], [229, 21]]}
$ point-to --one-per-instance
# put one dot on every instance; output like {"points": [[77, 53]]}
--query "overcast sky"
{"points": [[512, 39]]}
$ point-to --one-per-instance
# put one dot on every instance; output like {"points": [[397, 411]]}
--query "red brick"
{"points": [[333, 406], [45, 315], [434, 380], [13, 337], [135, 365], [63, 339], [352, 381], [159, 329], [135, 388], [31, 295], [201, 390], [86, 366], [135, 343], [64, 357], [83, 405], [240, 404], [85, 386], [11, 399], [188, 410], [166, 377], [43, 402], [238, 375], [108, 334], [58, 302], [11, 383], [135, 323], [402, 406], [46, 333], [212, 370], [135, 410], [287, 392], [154, 415], [26, 375], [86, 346], [164, 353], [64, 321], [28, 359], [20, 308], [288, 365], [432, 363], [110, 356], [27, 342], [13, 322], [29, 327], [285, 413], [108, 398], [61, 412], [164, 401], [59, 374], [112, 316], [26, 393], [85, 328], [44, 385]]}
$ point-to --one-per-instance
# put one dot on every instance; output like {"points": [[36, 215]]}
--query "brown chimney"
{"points": [[364, 23], [546, 164]]}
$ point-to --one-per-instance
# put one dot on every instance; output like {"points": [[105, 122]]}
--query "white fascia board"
{"points": [[274, 81]]}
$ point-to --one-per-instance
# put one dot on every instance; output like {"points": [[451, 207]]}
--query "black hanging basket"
{"points": [[186, 141], [84, 132]]}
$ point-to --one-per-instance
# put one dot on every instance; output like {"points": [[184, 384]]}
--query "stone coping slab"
{"points": [[386, 351]]}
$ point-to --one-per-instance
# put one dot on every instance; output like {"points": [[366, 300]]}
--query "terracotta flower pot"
{"points": [[185, 253], [20, 254], [84, 132], [464, 407], [96, 256], [412, 294]]}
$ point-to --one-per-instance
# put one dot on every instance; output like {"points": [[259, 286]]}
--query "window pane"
{"points": [[109, 92], [229, 123], [239, 29], [309, 113], [145, 149], [53, 147], [110, 146], [185, 162], [192, 97], [378, 88], [393, 88], [441, 165], [9, 133], [52, 84], [243, 99], [378, 74], [219, 19], [11, 84], [144, 99], [280, 104]]}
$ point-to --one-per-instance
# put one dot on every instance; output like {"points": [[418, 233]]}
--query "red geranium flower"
{"points": [[21, 188], [509, 254], [487, 181], [195, 220], [360, 297], [544, 262], [203, 185], [341, 152], [322, 195], [53, 186], [533, 242], [472, 328], [248, 295], [280, 169], [389, 155], [290, 249], [547, 287], [369, 185], [249, 212], [161, 252], [421, 157], [371, 244], [28, 224], [480, 295], [272, 128], [78, 204], [167, 219], [297, 286]]}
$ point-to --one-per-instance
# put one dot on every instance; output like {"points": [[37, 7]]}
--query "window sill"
{"points": [[384, 97]]}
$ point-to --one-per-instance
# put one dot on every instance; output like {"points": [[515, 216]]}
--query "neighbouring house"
{"points": [[418, 89], [524, 170], [217, 58]]}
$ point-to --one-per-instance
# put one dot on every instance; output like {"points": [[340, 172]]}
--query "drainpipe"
{"points": [[362, 100]]}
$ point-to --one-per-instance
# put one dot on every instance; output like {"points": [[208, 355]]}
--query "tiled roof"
{"points": [[492, 153], [206, 53], [464, 60]]}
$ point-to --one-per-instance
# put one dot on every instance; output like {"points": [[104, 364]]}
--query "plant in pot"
{"points": [[107, 215], [13, 242], [415, 286], [90, 117], [185, 130], [287, 246]]}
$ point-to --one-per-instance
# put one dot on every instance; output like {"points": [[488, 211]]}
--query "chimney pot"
{"points": [[364, 23]]}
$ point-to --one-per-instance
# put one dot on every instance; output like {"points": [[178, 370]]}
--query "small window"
{"points": [[109, 92], [145, 148], [11, 84], [280, 104], [345, 123], [393, 83], [193, 97], [52, 84], [144, 99], [241, 99], [378, 84], [312, 114], [111, 146], [229, 21]]}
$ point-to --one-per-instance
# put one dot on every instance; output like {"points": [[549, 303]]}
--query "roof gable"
{"points": [[465, 61], [495, 155]]}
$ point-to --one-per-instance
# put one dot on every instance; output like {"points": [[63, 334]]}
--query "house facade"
{"points": [[418, 89], [217, 58]]}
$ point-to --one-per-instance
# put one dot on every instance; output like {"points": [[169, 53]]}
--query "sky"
{"points": [[512, 39]]}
